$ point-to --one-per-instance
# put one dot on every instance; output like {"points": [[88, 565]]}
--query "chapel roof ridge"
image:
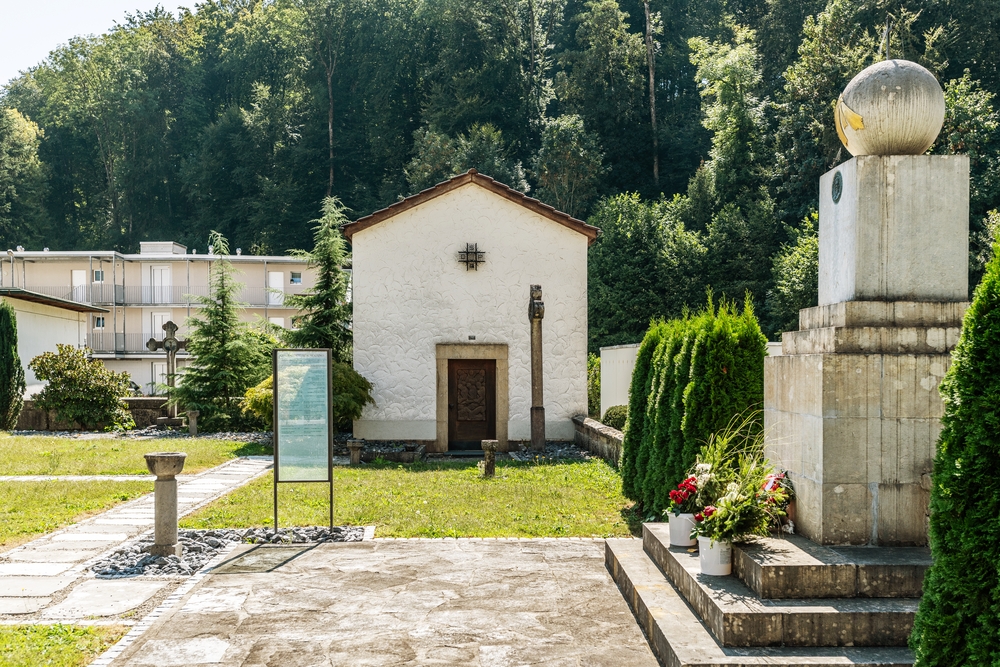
{"points": [[453, 183]]}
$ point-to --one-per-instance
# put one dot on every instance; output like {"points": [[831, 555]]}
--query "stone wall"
{"points": [[144, 409], [598, 439]]}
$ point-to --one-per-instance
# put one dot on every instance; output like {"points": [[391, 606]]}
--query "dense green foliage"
{"points": [[82, 390], [957, 623], [615, 417], [350, 392], [325, 315], [228, 356], [696, 374], [11, 372], [244, 115], [593, 385]]}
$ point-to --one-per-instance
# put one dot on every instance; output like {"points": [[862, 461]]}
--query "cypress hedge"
{"points": [[11, 372], [958, 621], [692, 376]]}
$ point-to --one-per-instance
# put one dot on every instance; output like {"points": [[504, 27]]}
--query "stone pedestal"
{"points": [[852, 408], [354, 446], [166, 466]]}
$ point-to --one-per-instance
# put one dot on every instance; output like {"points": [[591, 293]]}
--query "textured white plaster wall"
{"points": [[411, 293], [40, 328]]}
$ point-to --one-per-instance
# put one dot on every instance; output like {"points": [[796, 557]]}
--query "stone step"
{"points": [[794, 567], [679, 639], [736, 616]]}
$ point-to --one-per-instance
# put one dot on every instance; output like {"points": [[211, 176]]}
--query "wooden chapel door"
{"points": [[472, 402]]}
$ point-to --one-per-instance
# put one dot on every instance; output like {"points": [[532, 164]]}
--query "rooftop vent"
{"points": [[161, 248]]}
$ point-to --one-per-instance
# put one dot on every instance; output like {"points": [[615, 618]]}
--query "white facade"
{"points": [[411, 295], [617, 364], [40, 327]]}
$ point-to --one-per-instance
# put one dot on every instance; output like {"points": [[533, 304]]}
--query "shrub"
{"points": [[692, 376], [11, 372], [957, 622], [82, 390], [615, 417], [350, 393], [593, 386]]}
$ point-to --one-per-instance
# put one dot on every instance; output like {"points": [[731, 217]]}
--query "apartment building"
{"points": [[133, 295]]}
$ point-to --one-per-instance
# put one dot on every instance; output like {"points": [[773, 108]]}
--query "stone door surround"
{"points": [[446, 351]]}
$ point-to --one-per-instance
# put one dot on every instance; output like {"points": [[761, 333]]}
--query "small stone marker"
{"points": [[490, 458], [355, 447], [166, 466], [192, 416]]}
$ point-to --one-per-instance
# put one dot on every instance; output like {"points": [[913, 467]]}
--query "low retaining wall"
{"points": [[598, 439], [144, 409]]}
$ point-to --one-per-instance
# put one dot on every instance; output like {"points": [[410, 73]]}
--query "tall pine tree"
{"points": [[11, 372], [326, 315]]}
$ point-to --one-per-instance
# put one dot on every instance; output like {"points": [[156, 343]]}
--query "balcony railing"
{"points": [[102, 294], [117, 343]]}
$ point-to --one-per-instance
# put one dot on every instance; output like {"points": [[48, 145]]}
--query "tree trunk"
{"points": [[652, 93]]}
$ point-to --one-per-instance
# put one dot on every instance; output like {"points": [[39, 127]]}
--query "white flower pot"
{"points": [[716, 559], [680, 530]]}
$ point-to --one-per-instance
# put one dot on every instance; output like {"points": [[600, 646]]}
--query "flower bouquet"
{"points": [[683, 504]]}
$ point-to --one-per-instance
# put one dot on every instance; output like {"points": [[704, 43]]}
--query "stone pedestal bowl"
{"points": [[165, 465]]}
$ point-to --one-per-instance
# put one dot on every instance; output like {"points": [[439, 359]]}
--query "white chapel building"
{"points": [[441, 286]]}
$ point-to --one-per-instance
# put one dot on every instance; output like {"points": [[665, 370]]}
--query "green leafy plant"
{"points": [[11, 372], [82, 390], [615, 416], [350, 393], [957, 622], [593, 386]]}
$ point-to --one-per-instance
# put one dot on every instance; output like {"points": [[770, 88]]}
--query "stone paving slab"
{"points": [[96, 597], [20, 587], [413, 602], [17, 606]]}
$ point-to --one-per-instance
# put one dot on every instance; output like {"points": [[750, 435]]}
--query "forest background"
{"points": [[693, 132]]}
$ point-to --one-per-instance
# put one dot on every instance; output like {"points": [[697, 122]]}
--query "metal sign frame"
{"points": [[329, 423]]}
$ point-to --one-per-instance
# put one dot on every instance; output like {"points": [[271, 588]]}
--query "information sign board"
{"points": [[302, 425]]}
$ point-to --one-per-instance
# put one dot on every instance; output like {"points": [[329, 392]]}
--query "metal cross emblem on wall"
{"points": [[472, 256]]}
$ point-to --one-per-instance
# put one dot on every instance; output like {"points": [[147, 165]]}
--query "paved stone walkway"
{"points": [[474, 602], [48, 579]]}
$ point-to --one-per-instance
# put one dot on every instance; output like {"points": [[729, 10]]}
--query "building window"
{"points": [[98, 275], [98, 321], [277, 321], [296, 278]]}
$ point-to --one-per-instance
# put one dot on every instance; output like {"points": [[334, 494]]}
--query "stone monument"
{"points": [[171, 345], [166, 466], [851, 407]]}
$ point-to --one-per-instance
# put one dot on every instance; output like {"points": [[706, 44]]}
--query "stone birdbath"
{"points": [[166, 466]]}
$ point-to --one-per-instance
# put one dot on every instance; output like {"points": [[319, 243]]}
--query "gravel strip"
{"points": [[201, 546]]}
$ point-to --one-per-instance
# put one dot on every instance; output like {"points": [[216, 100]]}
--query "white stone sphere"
{"points": [[895, 107]]}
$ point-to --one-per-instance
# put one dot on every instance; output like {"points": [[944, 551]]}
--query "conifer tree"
{"points": [[11, 372], [958, 624], [227, 358], [326, 315], [638, 397]]}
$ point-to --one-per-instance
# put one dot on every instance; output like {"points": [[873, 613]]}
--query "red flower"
{"points": [[709, 511], [698, 517]]}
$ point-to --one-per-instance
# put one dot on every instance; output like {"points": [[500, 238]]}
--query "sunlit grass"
{"points": [[28, 509], [53, 455], [442, 499], [55, 645]]}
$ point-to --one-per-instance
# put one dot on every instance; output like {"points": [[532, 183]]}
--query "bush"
{"points": [[11, 372], [692, 376], [615, 417], [82, 390], [593, 386], [350, 393], [957, 622]]}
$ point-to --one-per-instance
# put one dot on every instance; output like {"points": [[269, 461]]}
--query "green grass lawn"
{"points": [[446, 499], [55, 645], [28, 509], [51, 455]]}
